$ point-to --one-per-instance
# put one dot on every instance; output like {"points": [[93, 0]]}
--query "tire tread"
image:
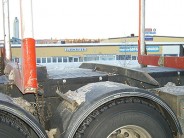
{"points": [[80, 132], [15, 123]]}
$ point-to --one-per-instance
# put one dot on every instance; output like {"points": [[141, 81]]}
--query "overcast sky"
{"points": [[101, 18]]}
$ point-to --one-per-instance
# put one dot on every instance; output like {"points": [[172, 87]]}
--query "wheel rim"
{"points": [[130, 131]]}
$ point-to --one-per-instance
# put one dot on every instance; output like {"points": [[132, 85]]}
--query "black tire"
{"points": [[12, 127], [103, 121]]}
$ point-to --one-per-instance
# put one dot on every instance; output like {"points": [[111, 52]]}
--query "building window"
{"points": [[43, 60], [81, 59], [76, 59], [65, 59], [38, 60], [134, 57], [88, 58], [128, 57], [70, 59], [123, 57], [48, 60], [107, 57], [60, 59], [120, 57], [54, 59], [91, 58]]}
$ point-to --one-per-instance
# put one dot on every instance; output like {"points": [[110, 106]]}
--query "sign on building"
{"points": [[75, 49], [149, 32], [135, 49]]}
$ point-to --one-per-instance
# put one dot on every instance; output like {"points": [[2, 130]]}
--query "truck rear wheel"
{"points": [[125, 118], [12, 127]]}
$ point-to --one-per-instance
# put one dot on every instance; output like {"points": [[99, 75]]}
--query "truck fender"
{"points": [[7, 104], [91, 96]]}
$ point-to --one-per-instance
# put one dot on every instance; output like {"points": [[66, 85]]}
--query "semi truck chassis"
{"points": [[69, 101]]}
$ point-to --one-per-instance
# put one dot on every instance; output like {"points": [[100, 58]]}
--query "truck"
{"points": [[92, 101]]}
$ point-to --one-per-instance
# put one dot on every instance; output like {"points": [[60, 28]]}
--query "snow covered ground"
{"points": [[120, 63]]}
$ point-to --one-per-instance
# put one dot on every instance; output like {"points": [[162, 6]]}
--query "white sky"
{"points": [[101, 18]]}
